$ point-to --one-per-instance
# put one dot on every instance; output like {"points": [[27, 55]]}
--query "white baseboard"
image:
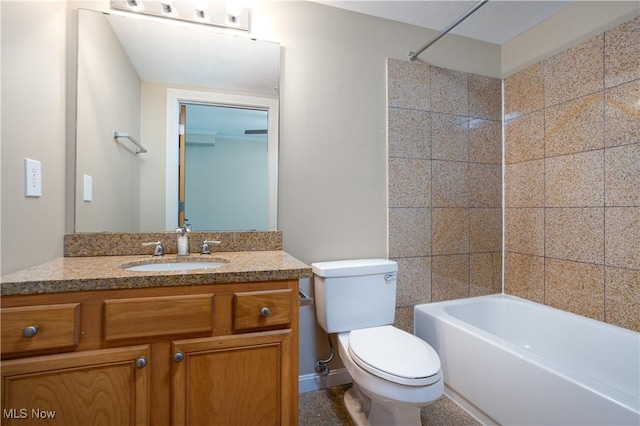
{"points": [[313, 382]]}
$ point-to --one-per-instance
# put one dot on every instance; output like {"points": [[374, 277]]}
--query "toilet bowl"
{"points": [[394, 373]]}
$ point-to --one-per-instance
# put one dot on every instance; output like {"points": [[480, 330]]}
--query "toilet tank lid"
{"points": [[346, 268]]}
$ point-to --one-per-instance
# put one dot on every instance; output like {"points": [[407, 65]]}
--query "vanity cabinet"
{"points": [[109, 386], [216, 354], [214, 377]]}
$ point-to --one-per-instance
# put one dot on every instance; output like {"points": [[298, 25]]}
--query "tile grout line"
{"points": [[431, 182], [544, 182], [604, 176]]}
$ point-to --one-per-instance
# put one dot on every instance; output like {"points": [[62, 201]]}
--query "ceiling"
{"points": [[166, 51], [495, 22]]}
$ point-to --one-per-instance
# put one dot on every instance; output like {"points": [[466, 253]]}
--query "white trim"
{"points": [[314, 382], [174, 98]]}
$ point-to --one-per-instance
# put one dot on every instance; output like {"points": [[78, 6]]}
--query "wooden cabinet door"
{"points": [[101, 387], [241, 380]]}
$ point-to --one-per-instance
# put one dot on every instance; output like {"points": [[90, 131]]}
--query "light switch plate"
{"points": [[32, 178], [88, 188]]}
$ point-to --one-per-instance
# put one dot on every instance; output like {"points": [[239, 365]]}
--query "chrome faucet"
{"points": [[205, 246], [159, 249], [183, 239]]}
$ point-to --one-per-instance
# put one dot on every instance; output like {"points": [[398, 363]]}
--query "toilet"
{"points": [[394, 373]]}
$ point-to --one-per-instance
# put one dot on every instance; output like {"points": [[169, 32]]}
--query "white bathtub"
{"points": [[510, 361]]}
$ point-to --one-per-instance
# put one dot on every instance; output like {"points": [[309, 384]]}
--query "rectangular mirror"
{"points": [[132, 75]]}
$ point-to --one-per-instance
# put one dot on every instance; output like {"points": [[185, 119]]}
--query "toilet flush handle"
{"points": [[390, 276]]}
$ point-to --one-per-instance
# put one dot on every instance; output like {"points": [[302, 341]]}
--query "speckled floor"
{"points": [[325, 407]]}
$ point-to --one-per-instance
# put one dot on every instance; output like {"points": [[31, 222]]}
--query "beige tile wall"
{"points": [[445, 184], [572, 179]]}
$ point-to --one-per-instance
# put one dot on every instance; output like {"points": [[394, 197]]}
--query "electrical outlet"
{"points": [[32, 178]]}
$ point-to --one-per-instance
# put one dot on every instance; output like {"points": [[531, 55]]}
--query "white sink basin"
{"points": [[175, 266]]}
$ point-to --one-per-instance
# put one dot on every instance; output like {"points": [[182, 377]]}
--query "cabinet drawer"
{"points": [[261, 309], [157, 316], [32, 328]]}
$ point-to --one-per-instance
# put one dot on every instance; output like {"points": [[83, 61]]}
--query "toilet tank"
{"points": [[353, 294]]}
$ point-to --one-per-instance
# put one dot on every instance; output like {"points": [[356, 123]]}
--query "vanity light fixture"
{"points": [[230, 14]]}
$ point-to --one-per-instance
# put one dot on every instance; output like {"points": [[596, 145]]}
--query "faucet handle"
{"points": [[184, 229], [159, 250], [205, 246]]}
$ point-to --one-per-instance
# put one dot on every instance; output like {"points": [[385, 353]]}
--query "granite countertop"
{"points": [[106, 272]]}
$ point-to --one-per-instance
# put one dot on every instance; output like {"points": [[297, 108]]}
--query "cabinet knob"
{"points": [[178, 357], [141, 362], [265, 312], [30, 331]]}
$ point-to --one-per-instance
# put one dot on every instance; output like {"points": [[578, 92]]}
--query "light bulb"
{"points": [[201, 5], [234, 10], [201, 10]]}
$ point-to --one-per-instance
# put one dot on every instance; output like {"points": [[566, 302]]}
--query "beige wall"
{"points": [[572, 179], [33, 126]]}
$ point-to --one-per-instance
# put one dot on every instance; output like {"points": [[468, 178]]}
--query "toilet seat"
{"points": [[395, 355]]}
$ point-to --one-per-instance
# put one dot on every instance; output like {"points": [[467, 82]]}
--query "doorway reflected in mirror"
{"points": [[224, 185]]}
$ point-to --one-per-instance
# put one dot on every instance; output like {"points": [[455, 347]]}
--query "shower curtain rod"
{"points": [[414, 55]]}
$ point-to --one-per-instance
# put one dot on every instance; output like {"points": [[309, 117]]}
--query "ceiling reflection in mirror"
{"points": [[126, 68]]}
